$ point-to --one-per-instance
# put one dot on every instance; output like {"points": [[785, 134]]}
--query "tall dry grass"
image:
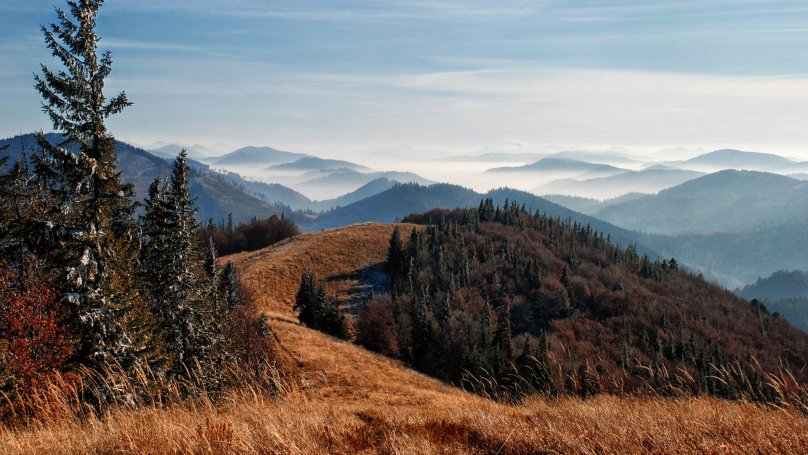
{"points": [[251, 422]]}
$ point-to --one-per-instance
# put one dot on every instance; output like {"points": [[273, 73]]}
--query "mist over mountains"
{"points": [[731, 224]]}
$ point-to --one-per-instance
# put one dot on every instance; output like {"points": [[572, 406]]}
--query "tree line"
{"points": [[507, 302]]}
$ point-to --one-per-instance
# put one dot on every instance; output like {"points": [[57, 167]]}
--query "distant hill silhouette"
{"points": [[405, 199], [257, 156], [215, 195], [737, 159], [780, 285], [726, 201], [649, 180]]}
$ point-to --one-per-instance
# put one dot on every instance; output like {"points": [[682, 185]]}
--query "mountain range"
{"points": [[725, 201], [732, 226], [214, 194]]}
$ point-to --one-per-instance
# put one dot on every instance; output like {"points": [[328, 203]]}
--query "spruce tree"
{"points": [[90, 223], [173, 277], [395, 255], [306, 302], [229, 289]]}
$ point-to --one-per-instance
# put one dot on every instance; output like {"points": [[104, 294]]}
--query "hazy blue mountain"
{"points": [[274, 193], [736, 259], [257, 156], [404, 199], [783, 292], [597, 157], [214, 195], [555, 165], [649, 180], [343, 181], [312, 163], [726, 201], [589, 206], [737, 159], [367, 190], [170, 151], [779, 285]]}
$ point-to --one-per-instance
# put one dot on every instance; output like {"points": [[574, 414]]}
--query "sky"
{"points": [[374, 80]]}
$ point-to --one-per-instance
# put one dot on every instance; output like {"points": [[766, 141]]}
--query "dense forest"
{"points": [[507, 302], [248, 236]]}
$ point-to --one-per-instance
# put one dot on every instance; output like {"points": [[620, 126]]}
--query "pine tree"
{"points": [[190, 317], [94, 239], [306, 300], [395, 254], [316, 310], [230, 288]]}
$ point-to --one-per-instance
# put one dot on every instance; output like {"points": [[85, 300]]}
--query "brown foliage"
{"points": [[32, 323]]}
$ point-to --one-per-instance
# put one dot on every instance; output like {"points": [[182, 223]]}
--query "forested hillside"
{"points": [[509, 302]]}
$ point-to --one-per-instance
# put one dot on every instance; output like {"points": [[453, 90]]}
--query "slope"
{"points": [[649, 180], [726, 201], [256, 156]]}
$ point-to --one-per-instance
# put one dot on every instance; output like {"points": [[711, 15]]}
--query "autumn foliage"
{"points": [[510, 303], [36, 340]]}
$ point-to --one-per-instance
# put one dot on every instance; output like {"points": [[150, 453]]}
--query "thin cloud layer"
{"points": [[350, 78]]}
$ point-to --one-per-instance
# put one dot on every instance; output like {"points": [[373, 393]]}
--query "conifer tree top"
{"points": [[73, 97]]}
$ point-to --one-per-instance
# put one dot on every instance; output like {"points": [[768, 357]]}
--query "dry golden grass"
{"points": [[342, 399]]}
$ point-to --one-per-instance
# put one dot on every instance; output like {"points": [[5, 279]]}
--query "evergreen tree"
{"points": [[316, 310], [90, 225], [192, 320], [306, 302], [230, 288], [395, 254]]}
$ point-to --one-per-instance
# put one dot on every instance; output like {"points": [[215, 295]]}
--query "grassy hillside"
{"points": [[339, 398]]}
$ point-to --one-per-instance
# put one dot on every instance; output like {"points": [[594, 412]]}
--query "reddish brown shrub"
{"points": [[32, 319]]}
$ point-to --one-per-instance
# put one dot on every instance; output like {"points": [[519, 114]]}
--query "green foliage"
{"points": [[316, 310], [91, 240]]}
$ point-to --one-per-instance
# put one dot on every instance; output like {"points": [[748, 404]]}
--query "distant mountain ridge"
{"points": [[649, 180], [405, 199], [551, 164], [740, 160], [780, 285], [725, 201], [257, 155], [215, 196]]}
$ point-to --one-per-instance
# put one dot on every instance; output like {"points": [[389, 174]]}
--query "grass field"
{"points": [[339, 398]]}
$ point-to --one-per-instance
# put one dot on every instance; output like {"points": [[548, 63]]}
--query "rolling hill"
{"points": [[737, 159], [780, 285], [649, 180], [343, 181], [589, 206], [558, 165], [256, 156], [726, 201], [316, 164], [404, 199]]}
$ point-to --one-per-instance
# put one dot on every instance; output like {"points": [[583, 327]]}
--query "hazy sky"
{"points": [[423, 78]]}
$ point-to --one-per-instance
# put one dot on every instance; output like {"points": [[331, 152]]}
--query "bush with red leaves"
{"points": [[36, 342]]}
